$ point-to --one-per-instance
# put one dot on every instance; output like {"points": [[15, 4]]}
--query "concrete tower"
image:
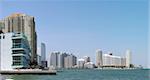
{"points": [[128, 58], [99, 58], [43, 52]]}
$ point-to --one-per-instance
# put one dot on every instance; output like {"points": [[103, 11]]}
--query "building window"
{"points": [[16, 63], [16, 57], [18, 52]]}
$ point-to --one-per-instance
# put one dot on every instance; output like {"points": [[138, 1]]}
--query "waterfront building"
{"points": [[43, 52], [70, 61], [15, 52], [99, 58], [39, 56], [86, 59], [60, 61], [22, 23], [66, 62], [81, 63], [89, 65], [54, 59], [39, 60], [110, 60], [44, 64], [123, 62], [43, 55], [63, 59], [128, 58]]}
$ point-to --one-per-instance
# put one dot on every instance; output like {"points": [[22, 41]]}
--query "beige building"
{"points": [[22, 23], [70, 61]]}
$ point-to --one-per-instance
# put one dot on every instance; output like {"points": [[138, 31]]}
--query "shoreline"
{"points": [[33, 72]]}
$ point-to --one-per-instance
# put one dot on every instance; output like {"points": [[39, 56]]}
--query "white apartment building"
{"points": [[109, 60], [128, 58]]}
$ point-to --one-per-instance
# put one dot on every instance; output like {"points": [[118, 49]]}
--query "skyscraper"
{"points": [[99, 58], [60, 60], [128, 58], [22, 23], [43, 52], [54, 59], [70, 61]]}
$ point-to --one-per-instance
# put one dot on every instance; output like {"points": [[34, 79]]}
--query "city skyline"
{"points": [[81, 27]]}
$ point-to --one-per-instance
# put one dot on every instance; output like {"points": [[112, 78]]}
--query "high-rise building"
{"points": [[63, 59], [54, 59], [111, 60], [22, 23], [99, 58], [66, 62], [60, 61], [15, 52], [43, 52], [70, 61], [128, 58]]}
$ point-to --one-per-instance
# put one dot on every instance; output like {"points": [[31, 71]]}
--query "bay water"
{"points": [[88, 74]]}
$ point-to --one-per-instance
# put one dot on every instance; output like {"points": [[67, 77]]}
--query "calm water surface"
{"points": [[88, 75]]}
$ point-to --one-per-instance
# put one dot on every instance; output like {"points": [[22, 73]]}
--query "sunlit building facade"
{"points": [[110, 60]]}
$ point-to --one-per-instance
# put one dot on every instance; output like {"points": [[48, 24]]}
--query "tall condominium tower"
{"points": [[128, 58], [54, 59], [22, 23], [70, 61], [43, 52], [60, 60], [99, 58]]}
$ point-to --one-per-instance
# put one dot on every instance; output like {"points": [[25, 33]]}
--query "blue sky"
{"points": [[80, 27]]}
